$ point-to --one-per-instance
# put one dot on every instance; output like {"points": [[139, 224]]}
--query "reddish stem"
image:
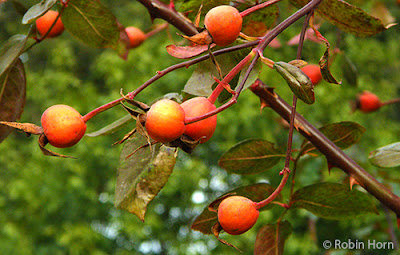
{"points": [[285, 172], [156, 30], [102, 108], [392, 101]]}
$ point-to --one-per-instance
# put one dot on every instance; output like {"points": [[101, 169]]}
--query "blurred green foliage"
{"points": [[65, 206]]}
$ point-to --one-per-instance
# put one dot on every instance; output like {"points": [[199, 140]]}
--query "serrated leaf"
{"points": [[12, 96], [298, 81], [11, 51], [386, 156], [111, 128], [92, 23], [255, 192], [271, 238], [37, 10], [347, 17], [250, 157], [142, 175], [333, 201], [342, 134], [202, 79]]}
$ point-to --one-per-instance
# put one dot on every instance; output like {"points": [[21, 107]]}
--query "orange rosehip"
{"points": [[203, 129], [44, 23], [223, 24], [62, 125], [136, 36], [368, 102], [165, 121], [314, 72], [237, 214]]}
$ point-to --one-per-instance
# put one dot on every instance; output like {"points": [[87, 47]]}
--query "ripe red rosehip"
{"points": [[136, 36], [165, 121], [237, 214], [314, 72], [368, 102], [203, 129], [44, 23], [62, 125], [224, 24]]}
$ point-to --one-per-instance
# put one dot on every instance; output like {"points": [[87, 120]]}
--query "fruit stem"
{"points": [[392, 101], [225, 81], [258, 7], [285, 172], [102, 108]]}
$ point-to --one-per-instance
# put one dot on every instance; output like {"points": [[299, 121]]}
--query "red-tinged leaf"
{"points": [[43, 142], [250, 157], [92, 23], [142, 175], [202, 79], [386, 156], [342, 134], [333, 201], [185, 52], [324, 61], [271, 238], [10, 52], [256, 192], [37, 10], [298, 81], [122, 47], [347, 17], [310, 35], [12, 96]]}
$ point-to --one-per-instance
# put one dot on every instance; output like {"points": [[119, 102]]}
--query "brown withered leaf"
{"points": [[216, 229], [28, 128], [186, 52], [42, 143], [12, 96]]}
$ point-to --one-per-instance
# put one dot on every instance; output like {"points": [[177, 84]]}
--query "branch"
{"points": [[158, 9], [333, 153]]}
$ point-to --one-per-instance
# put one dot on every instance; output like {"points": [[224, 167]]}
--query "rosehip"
{"points": [[314, 72], [44, 23], [62, 125], [136, 36], [368, 102], [165, 121], [203, 129], [237, 214], [223, 24]]}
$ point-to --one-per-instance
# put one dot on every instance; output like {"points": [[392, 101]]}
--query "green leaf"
{"points": [[201, 81], [386, 156], [12, 96], [333, 201], [111, 128], [37, 10], [11, 51], [271, 238], [349, 70], [259, 22], [250, 157], [342, 134], [254, 74], [347, 17], [193, 6], [255, 192], [92, 23], [298, 81], [142, 175]]}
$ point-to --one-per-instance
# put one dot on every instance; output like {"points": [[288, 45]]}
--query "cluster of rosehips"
{"points": [[43, 24]]}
